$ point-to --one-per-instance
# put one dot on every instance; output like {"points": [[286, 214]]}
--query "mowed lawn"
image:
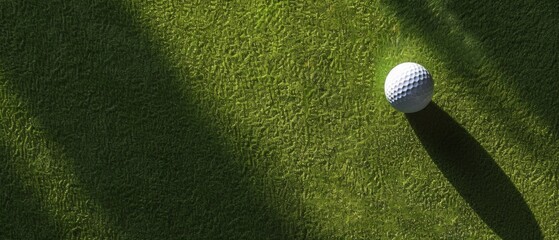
{"points": [[259, 119]]}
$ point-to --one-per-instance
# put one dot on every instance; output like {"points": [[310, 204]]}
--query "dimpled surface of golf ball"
{"points": [[409, 87]]}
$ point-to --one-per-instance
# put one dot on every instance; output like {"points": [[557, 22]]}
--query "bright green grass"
{"points": [[267, 119]]}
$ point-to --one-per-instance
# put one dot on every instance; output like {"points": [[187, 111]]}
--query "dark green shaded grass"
{"points": [[140, 146], [521, 37]]}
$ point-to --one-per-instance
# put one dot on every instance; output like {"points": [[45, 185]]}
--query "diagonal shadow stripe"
{"points": [[144, 149], [474, 174], [521, 37]]}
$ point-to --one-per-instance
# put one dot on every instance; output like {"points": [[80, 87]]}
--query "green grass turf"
{"points": [[267, 120]]}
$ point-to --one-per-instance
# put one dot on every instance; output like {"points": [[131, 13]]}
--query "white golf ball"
{"points": [[409, 87]]}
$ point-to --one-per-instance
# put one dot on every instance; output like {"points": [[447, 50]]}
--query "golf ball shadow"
{"points": [[474, 174]]}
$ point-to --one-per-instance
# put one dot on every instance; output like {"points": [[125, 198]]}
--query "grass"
{"points": [[267, 120], [474, 174]]}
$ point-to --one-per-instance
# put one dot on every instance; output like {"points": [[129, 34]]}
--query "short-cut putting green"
{"points": [[267, 119]]}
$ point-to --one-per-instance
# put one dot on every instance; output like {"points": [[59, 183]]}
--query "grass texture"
{"points": [[267, 120]]}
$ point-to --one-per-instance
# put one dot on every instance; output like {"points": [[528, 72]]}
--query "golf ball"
{"points": [[409, 87]]}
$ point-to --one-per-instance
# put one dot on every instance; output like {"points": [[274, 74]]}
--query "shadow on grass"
{"points": [[142, 148], [21, 214], [474, 174], [521, 38]]}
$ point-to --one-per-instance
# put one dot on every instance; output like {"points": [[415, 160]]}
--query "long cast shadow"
{"points": [[141, 147], [474, 174]]}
